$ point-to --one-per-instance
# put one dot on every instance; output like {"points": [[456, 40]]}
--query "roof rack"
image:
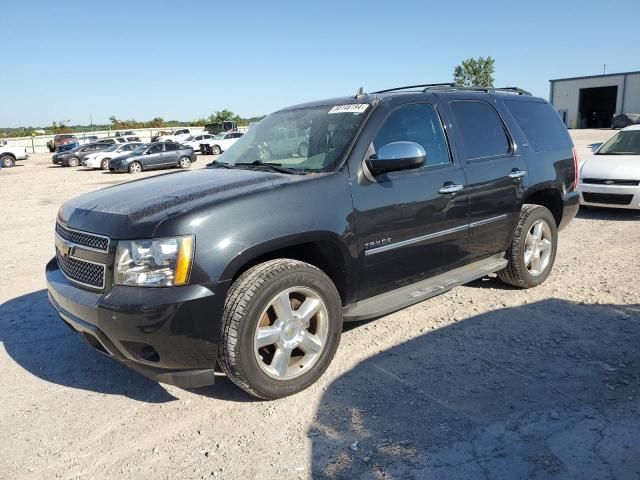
{"points": [[517, 90], [425, 86], [452, 86]]}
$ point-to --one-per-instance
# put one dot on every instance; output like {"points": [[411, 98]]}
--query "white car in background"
{"points": [[178, 136], [102, 159], [611, 176], [195, 141], [219, 143], [9, 155]]}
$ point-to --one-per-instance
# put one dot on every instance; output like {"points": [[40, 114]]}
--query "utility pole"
{"points": [[604, 70], [91, 122]]}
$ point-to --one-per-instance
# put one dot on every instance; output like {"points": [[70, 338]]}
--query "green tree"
{"points": [[475, 72], [222, 116]]}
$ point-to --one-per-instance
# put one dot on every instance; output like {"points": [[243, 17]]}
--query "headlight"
{"points": [[154, 263]]}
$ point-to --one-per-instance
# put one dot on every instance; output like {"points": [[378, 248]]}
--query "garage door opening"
{"points": [[597, 106]]}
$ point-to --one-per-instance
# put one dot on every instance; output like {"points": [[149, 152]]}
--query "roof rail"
{"points": [[425, 86], [517, 90]]}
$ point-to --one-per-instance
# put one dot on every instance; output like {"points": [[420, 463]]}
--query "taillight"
{"points": [[575, 168]]}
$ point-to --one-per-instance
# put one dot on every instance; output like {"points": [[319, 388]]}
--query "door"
{"points": [[495, 172], [153, 157], [170, 155], [411, 224]]}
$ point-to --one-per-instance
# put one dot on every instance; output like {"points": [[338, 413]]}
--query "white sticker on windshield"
{"points": [[351, 108]]}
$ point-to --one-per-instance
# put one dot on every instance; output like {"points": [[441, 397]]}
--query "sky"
{"points": [[76, 60]]}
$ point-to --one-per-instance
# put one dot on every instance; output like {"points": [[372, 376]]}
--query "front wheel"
{"points": [[73, 162], [281, 327], [216, 150], [105, 164], [533, 248], [135, 167], [7, 161], [184, 162]]}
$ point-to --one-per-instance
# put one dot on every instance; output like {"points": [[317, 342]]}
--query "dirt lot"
{"points": [[484, 381]]}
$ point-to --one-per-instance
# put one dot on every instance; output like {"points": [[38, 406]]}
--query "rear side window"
{"points": [[419, 123], [481, 129], [169, 147], [541, 124]]}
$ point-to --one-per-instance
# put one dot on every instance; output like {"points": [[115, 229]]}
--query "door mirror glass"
{"points": [[396, 156]]}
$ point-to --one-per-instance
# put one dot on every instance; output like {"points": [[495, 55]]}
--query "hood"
{"points": [[135, 209], [619, 167]]}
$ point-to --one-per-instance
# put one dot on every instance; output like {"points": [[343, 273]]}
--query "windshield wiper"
{"points": [[217, 164], [274, 167]]}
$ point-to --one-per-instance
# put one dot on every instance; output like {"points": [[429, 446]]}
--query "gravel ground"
{"points": [[484, 381]]}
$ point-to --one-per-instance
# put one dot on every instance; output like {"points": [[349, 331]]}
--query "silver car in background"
{"points": [[611, 176]]}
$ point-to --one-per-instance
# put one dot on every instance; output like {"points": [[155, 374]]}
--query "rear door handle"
{"points": [[451, 188], [515, 174]]}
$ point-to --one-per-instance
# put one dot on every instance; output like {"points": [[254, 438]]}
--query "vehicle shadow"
{"points": [[35, 337], [546, 390], [613, 214]]}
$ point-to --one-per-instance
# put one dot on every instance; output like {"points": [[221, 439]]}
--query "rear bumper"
{"points": [[570, 207], [167, 334]]}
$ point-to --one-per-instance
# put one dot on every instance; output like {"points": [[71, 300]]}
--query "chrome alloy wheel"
{"points": [[291, 334], [538, 247]]}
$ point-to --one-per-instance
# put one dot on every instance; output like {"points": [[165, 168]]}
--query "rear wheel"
{"points": [[184, 162], [7, 161], [105, 164], [135, 167], [533, 248], [282, 323]]}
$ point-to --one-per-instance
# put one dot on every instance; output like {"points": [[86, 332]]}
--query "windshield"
{"points": [[624, 143], [139, 150], [310, 139], [188, 139], [112, 148]]}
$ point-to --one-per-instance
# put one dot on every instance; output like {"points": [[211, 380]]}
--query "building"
{"points": [[591, 102]]}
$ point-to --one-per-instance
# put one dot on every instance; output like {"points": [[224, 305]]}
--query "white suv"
{"points": [[177, 135]]}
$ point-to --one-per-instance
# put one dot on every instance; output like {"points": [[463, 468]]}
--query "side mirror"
{"points": [[396, 156]]}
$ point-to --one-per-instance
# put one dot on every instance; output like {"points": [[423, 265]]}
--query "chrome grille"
{"points": [[90, 240], [81, 271], [608, 181]]}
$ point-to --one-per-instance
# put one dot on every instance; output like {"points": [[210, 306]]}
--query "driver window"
{"points": [[419, 123]]}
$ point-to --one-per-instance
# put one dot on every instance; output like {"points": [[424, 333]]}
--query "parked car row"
{"points": [[71, 139], [131, 157]]}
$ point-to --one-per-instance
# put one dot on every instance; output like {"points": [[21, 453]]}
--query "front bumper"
{"points": [[118, 167], [168, 334], [610, 196], [91, 163]]}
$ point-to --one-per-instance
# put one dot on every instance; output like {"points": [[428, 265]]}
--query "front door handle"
{"points": [[451, 188], [515, 174]]}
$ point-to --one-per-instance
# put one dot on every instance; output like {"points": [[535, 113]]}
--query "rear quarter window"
{"points": [[541, 124]]}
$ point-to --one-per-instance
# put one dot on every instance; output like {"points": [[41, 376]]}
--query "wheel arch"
{"points": [[320, 249], [548, 197]]}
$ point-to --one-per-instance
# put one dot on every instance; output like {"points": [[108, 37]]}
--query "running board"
{"points": [[417, 292]]}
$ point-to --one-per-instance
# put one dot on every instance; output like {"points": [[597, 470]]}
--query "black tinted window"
{"points": [[415, 123], [170, 147], [155, 148], [481, 129], [541, 124]]}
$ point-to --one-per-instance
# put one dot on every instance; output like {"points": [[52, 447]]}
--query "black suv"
{"points": [[253, 264]]}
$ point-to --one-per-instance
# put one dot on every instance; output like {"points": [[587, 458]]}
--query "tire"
{"points": [[135, 167], [250, 305], [104, 165], [524, 273], [184, 162], [73, 162], [216, 150], [7, 161]]}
